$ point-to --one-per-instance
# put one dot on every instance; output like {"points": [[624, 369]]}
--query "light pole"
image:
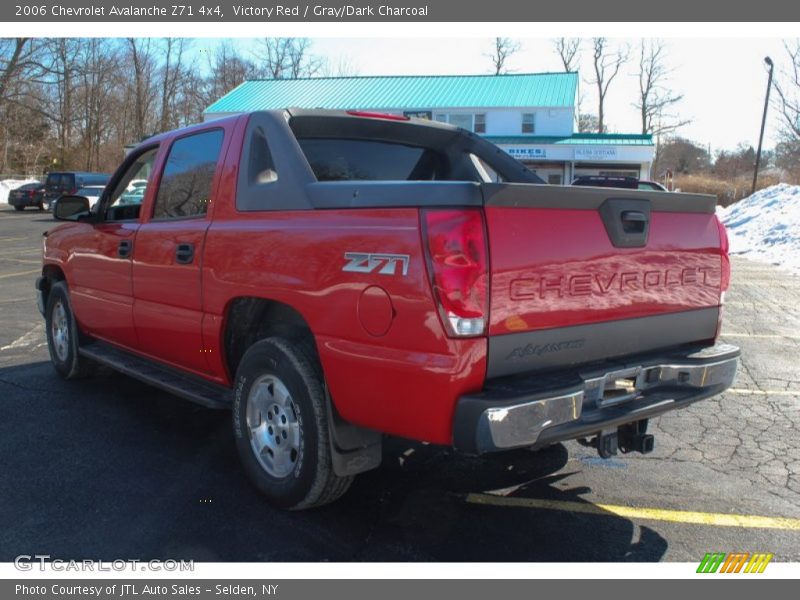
{"points": [[767, 60]]}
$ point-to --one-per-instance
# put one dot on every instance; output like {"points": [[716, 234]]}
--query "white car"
{"points": [[92, 192]]}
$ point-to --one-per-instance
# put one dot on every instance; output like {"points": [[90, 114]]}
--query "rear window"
{"points": [[367, 160], [60, 181]]}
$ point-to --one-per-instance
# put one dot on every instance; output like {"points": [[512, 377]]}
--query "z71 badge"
{"points": [[384, 264]]}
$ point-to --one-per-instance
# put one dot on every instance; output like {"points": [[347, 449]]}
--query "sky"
{"points": [[723, 80]]}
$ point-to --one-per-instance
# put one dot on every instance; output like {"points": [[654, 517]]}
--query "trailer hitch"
{"points": [[632, 437]]}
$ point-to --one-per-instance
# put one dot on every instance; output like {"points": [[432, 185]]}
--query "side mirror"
{"points": [[71, 208]]}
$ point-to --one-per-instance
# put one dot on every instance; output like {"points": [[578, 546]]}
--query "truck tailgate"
{"points": [[580, 274]]}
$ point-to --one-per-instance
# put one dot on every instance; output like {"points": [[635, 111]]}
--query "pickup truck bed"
{"points": [[336, 276]]}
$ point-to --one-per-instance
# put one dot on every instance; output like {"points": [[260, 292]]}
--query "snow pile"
{"points": [[766, 226], [6, 185]]}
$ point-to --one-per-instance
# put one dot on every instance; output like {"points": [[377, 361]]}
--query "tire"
{"points": [[280, 423], [19, 208], [63, 336]]}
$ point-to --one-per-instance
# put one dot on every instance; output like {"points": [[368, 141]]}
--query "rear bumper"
{"points": [[536, 410], [25, 201]]}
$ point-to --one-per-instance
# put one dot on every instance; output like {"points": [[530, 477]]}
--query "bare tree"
{"points": [[342, 66], [787, 86], [59, 79], [606, 65], [99, 67], [568, 50], [16, 57], [504, 48], [228, 69], [656, 100], [172, 73], [287, 58], [142, 62], [587, 123]]}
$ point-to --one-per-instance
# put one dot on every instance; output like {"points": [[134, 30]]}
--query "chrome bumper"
{"points": [[531, 410]]}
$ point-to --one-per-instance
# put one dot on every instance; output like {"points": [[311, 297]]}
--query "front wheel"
{"points": [[280, 423], [63, 335], [19, 208]]}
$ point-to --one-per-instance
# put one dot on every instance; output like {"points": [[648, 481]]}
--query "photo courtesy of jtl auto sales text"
{"points": [[476, 293]]}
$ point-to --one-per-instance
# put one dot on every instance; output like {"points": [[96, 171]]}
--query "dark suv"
{"points": [[68, 182]]}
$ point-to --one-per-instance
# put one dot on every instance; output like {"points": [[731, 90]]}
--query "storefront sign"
{"points": [[595, 153], [527, 153]]}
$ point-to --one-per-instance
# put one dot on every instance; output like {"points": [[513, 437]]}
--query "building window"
{"points": [[463, 121], [468, 121], [528, 125]]}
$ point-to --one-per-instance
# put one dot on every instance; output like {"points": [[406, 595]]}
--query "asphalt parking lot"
{"points": [[109, 468]]}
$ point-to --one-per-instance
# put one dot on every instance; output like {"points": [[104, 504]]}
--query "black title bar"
{"points": [[401, 11]]}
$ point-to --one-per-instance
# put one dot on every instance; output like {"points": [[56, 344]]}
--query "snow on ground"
{"points": [[766, 226], [6, 185]]}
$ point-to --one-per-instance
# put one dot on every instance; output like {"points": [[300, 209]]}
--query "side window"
{"points": [[125, 202], [260, 167], [486, 173], [185, 188]]}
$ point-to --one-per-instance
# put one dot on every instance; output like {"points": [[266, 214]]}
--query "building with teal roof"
{"points": [[532, 116]]}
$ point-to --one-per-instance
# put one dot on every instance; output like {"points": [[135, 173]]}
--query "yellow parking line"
{"points": [[763, 392], [761, 335], [22, 260], [20, 273], [648, 514]]}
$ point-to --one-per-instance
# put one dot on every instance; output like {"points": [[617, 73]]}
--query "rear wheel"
{"points": [[63, 335], [19, 208], [280, 423]]}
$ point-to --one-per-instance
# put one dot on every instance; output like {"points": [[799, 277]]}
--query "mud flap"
{"points": [[354, 449]]}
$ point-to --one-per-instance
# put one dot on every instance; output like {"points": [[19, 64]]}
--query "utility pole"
{"points": [[767, 60]]}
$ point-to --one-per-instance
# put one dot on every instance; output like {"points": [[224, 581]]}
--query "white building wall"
{"points": [[508, 121]]}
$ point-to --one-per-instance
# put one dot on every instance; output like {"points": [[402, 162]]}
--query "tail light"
{"points": [[458, 266], [725, 271], [725, 261]]}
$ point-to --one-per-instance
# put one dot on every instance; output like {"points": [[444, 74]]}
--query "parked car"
{"points": [[325, 276], [630, 183], [30, 194], [134, 193], [92, 192], [69, 182]]}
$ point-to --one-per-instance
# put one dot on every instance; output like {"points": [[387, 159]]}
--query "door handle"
{"points": [[184, 254], [125, 249], [633, 221]]}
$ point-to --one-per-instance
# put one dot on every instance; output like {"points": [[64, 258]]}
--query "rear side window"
{"points": [[260, 167], [60, 181], [366, 160], [185, 187]]}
